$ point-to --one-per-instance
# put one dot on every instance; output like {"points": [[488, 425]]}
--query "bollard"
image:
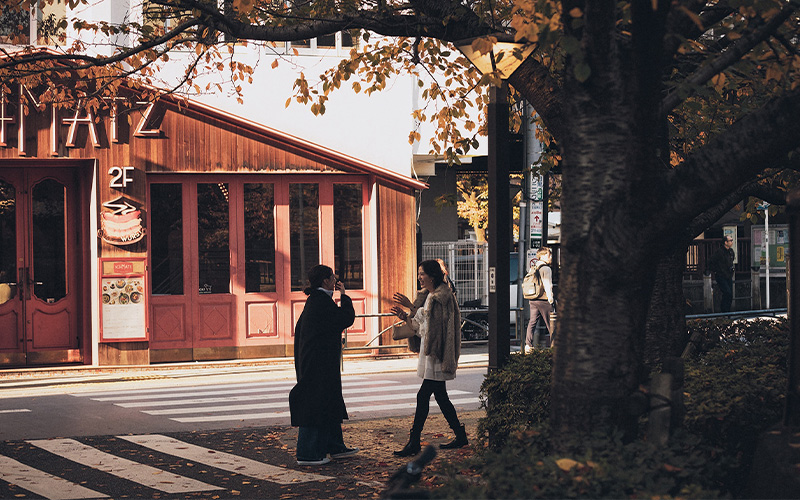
{"points": [[755, 287], [553, 323], [708, 294], [660, 409]]}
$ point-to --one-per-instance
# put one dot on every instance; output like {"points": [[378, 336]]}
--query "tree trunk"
{"points": [[665, 329]]}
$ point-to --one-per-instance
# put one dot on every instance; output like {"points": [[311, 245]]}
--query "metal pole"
{"points": [[792, 416], [499, 228], [766, 245]]}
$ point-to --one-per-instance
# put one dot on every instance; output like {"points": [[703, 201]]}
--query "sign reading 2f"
{"points": [[120, 177]]}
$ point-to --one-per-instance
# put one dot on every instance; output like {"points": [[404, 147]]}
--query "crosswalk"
{"points": [[268, 400], [30, 478], [182, 464]]}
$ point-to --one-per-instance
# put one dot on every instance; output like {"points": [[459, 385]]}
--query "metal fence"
{"points": [[467, 262]]}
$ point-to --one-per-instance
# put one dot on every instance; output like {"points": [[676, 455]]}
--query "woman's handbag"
{"points": [[402, 331]]}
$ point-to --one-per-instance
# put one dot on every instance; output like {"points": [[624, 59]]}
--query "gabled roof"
{"points": [[291, 142]]}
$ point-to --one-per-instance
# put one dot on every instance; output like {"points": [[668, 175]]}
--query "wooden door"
{"points": [[40, 268]]}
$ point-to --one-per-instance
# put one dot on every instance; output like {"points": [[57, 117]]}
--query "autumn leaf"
{"points": [[566, 464]]}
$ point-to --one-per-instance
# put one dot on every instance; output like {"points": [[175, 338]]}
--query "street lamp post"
{"points": [[503, 59]]}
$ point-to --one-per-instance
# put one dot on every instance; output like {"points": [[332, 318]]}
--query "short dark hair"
{"points": [[316, 275], [434, 270]]}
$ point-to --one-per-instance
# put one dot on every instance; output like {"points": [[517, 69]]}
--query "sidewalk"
{"points": [[472, 356]]}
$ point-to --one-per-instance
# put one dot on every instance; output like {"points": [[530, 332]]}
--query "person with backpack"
{"points": [[537, 287]]}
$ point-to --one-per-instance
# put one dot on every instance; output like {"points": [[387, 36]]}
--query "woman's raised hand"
{"points": [[401, 299], [399, 312]]}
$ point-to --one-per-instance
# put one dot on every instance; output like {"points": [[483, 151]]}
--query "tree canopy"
{"points": [[662, 114]]}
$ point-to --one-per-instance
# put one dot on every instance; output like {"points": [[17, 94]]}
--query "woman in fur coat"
{"points": [[435, 316]]}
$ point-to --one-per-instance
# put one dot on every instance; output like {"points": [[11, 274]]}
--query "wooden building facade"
{"points": [[172, 231]]}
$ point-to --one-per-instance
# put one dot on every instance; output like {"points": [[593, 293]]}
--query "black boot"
{"points": [[412, 447], [460, 440]]}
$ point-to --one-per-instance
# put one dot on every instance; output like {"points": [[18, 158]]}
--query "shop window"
{"points": [[304, 236], [8, 240], [213, 244], [259, 237], [49, 240], [348, 234], [166, 238]]}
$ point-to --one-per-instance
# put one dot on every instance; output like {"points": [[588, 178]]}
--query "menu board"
{"points": [[123, 312]]}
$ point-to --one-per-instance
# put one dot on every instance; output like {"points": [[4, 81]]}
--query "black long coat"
{"points": [[316, 400]]}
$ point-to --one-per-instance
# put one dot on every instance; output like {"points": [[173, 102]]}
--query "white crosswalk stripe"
{"points": [[122, 467], [52, 487], [42, 483], [267, 400], [224, 461]]}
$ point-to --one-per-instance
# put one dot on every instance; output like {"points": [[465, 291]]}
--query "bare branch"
{"points": [[731, 56]]}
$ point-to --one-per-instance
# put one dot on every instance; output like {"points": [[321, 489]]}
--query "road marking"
{"points": [[285, 414], [282, 396], [222, 460], [214, 392], [274, 384], [18, 410], [282, 404], [41, 483], [127, 469]]}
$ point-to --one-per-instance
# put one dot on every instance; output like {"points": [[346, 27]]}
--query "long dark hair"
{"points": [[316, 275], [434, 270]]}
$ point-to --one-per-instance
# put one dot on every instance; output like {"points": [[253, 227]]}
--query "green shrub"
{"points": [[519, 396], [602, 467], [734, 390]]}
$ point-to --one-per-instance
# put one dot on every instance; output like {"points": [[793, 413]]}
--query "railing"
{"points": [[467, 262], [369, 346], [740, 314]]}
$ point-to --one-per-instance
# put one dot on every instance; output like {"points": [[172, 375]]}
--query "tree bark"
{"points": [[665, 327]]}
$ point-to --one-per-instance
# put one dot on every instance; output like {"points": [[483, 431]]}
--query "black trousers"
{"points": [[439, 391]]}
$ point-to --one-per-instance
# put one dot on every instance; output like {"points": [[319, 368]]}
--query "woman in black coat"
{"points": [[316, 403]]}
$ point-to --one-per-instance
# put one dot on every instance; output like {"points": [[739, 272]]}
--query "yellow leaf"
{"points": [[566, 464], [274, 64]]}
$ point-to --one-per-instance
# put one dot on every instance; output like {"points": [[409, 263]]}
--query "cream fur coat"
{"points": [[443, 341]]}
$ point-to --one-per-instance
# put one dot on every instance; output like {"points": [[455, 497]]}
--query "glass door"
{"points": [[39, 266]]}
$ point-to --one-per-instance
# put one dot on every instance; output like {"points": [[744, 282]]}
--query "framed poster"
{"points": [[778, 248], [123, 309]]}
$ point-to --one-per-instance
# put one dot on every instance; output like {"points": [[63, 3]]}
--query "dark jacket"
{"points": [[722, 264], [316, 400]]}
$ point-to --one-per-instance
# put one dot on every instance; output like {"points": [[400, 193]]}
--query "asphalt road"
{"points": [[194, 434]]}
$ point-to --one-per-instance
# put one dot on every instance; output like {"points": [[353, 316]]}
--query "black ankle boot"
{"points": [[460, 440], [412, 447]]}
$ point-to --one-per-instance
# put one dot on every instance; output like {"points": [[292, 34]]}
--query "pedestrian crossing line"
{"points": [[282, 404], [231, 399], [146, 475], [214, 392], [41, 483], [222, 460], [285, 414], [16, 410], [273, 384]]}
